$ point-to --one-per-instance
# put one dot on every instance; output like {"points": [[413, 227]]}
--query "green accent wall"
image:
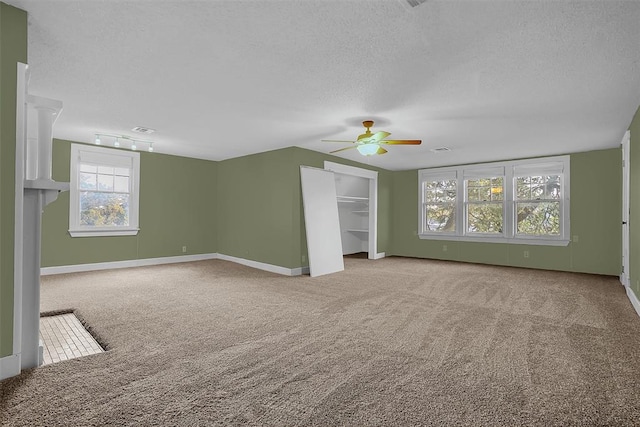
{"points": [[255, 208], [177, 208], [596, 200], [13, 49], [260, 206], [634, 205]]}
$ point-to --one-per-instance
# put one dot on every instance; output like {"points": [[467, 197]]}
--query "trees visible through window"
{"points": [[538, 205], [524, 201], [104, 195], [440, 205], [484, 205], [104, 191]]}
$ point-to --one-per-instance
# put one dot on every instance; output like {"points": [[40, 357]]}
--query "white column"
{"points": [[46, 118], [32, 218]]}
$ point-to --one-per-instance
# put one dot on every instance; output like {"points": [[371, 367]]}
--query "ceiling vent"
{"points": [[414, 3], [144, 130], [440, 149]]}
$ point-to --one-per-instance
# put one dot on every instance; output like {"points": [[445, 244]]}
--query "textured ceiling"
{"points": [[491, 80]]}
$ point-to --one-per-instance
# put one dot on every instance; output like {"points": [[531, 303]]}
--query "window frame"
{"points": [[424, 203], [104, 157], [509, 170]]}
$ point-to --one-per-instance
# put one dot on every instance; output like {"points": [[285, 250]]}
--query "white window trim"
{"points": [[508, 235], [76, 230]]}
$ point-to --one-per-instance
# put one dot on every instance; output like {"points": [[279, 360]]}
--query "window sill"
{"points": [[511, 241], [104, 232]]}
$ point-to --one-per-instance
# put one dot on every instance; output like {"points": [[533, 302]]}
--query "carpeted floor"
{"points": [[392, 342]]}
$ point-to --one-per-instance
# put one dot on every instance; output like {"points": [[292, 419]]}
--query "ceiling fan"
{"points": [[370, 143]]}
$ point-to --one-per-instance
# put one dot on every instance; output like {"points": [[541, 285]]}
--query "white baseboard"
{"points": [[45, 271], [634, 299], [9, 366], [380, 255], [264, 266], [624, 279]]}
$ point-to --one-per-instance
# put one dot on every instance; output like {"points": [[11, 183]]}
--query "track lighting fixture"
{"points": [[118, 140]]}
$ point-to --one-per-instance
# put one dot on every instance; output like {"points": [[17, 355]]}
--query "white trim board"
{"points": [[634, 299], [266, 267], [46, 271], [9, 366]]}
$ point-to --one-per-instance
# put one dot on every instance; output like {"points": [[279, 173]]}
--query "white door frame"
{"points": [[372, 176], [624, 276]]}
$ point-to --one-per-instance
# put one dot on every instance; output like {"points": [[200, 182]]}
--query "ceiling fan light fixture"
{"points": [[368, 149]]}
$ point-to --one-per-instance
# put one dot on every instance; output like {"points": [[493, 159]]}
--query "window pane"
{"points": [[523, 188], [121, 184], [440, 191], [497, 189], [485, 189], [104, 209], [105, 182], [88, 168], [538, 188], [484, 218], [87, 181], [441, 217], [553, 187], [472, 194], [538, 218], [484, 193]]}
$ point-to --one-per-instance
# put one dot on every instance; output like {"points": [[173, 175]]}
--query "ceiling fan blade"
{"points": [[335, 140], [381, 150], [378, 136], [402, 142], [342, 149]]}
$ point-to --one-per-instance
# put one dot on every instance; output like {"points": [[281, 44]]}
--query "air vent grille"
{"points": [[144, 130]]}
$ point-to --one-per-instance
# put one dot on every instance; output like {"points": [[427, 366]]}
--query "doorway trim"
{"points": [[624, 275]]}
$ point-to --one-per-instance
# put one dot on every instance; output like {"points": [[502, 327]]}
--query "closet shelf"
{"points": [[357, 230], [360, 212], [353, 199]]}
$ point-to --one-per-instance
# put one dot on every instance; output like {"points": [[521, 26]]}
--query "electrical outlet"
{"points": [[184, 249], [304, 258], [526, 254], [444, 248], [576, 238]]}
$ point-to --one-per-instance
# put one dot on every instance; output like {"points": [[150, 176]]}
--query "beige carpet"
{"points": [[392, 342]]}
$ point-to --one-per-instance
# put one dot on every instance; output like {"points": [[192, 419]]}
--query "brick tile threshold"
{"points": [[65, 338]]}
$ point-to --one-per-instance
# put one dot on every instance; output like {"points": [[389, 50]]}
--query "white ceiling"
{"points": [[492, 80]]}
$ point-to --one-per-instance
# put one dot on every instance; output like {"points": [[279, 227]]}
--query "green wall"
{"points": [[634, 205], [254, 208], [13, 49], [260, 206], [596, 200], [177, 208]]}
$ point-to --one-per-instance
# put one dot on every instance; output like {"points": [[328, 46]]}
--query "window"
{"points": [[484, 210], [104, 192], [524, 201], [439, 204]]}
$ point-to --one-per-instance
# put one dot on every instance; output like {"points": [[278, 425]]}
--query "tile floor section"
{"points": [[65, 338]]}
